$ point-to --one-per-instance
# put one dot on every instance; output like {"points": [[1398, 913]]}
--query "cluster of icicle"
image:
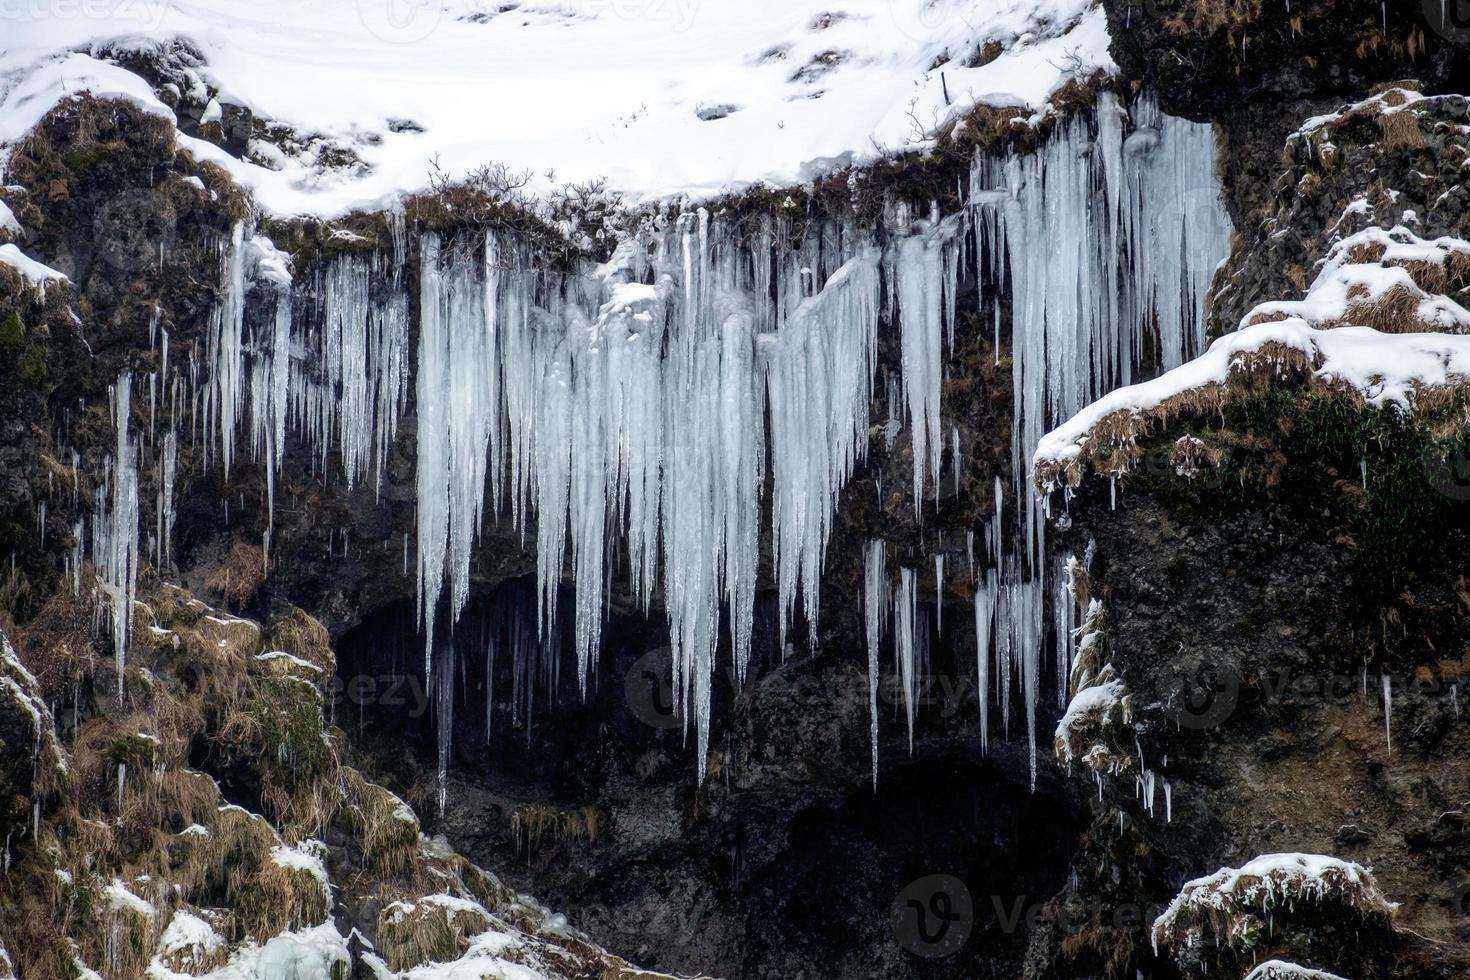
{"points": [[644, 402], [1103, 243]]}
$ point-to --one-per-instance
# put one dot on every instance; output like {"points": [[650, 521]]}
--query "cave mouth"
{"points": [[941, 872], [796, 866]]}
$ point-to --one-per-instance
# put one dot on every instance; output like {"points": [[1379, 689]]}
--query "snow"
{"points": [[192, 937], [1282, 970], [120, 899], [289, 658], [8, 225], [1088, 709], [310, 954], [35, 274], [1266, 882], [317, 953], [308, 857], [1342, 283], [1385, 369], [627, 89]]}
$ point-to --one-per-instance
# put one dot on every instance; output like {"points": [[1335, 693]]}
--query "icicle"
{"points": [[939, 593], [955, 456], [905, 639], [115, 529], [226, 351], [875, 611], [165, 517], [924, 266], [986, 597], [1388, 711], [1168, 802], [443, 683]]}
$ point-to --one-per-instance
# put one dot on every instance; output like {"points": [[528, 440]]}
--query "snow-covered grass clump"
{"points": [[1389, 279], [1394, 372], [1090, 711], [1282, 970], [36, 275], [1234, 905]]}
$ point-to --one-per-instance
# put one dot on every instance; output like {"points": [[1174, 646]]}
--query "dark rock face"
{"points": [[1207, 57], [1254, 633], [787, 862], [1311, 190]]}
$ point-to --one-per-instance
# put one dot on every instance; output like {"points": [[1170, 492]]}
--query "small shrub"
{"points": [[32, 368], [12, 333]]}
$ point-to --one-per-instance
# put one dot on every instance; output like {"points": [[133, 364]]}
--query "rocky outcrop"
{"points": [[1208, 57], [210, 818]]}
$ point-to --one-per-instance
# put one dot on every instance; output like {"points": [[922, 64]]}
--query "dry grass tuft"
{"points": [[435, 929], [239, 576], [302, 636], [57, 644], [1234, 908], [385, 825], [1400, 128], [538, 823]]}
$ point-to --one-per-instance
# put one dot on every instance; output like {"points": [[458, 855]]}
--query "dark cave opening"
{"points": [[787, 861]]}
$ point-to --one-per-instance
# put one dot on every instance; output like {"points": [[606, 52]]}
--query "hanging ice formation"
{"points": [[1103, 241], [115, 527], [875, 617], [645, 401], [660, 375]]}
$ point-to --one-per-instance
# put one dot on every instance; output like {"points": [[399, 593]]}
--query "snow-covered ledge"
{"points": [[1387, 371]]}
